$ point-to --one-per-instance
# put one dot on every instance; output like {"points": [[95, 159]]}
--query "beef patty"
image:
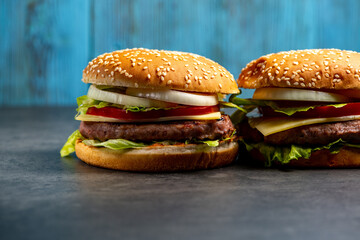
{"points": [[316, 134], [177, 130]]}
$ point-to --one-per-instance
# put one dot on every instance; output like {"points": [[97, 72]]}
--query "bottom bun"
{"points": [[346, 158], [159, 159]]}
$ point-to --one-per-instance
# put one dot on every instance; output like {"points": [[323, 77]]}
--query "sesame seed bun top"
{"points": [[315, 68], [145, 68]]}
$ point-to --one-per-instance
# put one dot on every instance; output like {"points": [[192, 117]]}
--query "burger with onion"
{"points": [[305, 111], [151, 110]]}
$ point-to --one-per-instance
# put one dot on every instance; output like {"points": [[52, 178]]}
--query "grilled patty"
{"points": [[176, 130], [316, 134]]}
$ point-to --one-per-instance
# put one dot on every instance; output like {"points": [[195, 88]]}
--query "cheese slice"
{"points": [[94, 118], [268, 126]]}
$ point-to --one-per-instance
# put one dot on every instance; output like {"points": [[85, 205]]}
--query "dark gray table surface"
{"points": [[46, 197]]}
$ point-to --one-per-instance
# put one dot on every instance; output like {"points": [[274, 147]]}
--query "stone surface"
{"points": [[46, 197]]}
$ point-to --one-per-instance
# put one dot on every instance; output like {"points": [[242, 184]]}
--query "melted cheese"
{"points": [[268, 126], [94, 118]]}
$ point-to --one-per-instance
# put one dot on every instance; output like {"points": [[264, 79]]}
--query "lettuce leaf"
{"points": [[120, 144], [285, 110], [285, 154], [232, 105], [69, 146], [210, 143], [115, 144]]}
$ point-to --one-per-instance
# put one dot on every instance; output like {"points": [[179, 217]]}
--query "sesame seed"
{"points": [[149, 76], [327, 75], [301, 79], [169, 82], [98, 71], [172, 69], [196, 78], [133, 64], [220, 86], [188, 81], [348, 71], [337, 75], [302, 84], [144, 68], [162, 78], [295, 63], [296, 83], [277, 72]]}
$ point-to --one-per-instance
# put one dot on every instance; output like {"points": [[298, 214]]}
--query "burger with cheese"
{"points": [[305, 111], [151, 110]]}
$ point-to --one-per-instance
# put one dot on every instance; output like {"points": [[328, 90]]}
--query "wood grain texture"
{"points": [[45, 44]]}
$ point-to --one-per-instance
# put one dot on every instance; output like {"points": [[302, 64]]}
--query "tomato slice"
{"points": [[318, 112], [119, 113]]}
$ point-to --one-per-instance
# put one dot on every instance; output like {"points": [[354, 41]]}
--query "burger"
{"points": [[305, 111], [153, 111]]}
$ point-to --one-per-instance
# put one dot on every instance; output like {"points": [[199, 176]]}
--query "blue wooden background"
{"points": [[45, 44]]}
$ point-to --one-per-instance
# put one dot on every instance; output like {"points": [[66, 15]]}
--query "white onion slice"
{"points": [[293, 94], [167, 95], [122, 99]]}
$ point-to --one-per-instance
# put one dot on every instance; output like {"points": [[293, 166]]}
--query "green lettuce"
{"points": [[69, 146], [115, 144], [120, 144], [275, 106], [285, 154]]}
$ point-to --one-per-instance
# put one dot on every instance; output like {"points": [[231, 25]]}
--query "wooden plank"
{"points": [[46, 44], [45, 48]]}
